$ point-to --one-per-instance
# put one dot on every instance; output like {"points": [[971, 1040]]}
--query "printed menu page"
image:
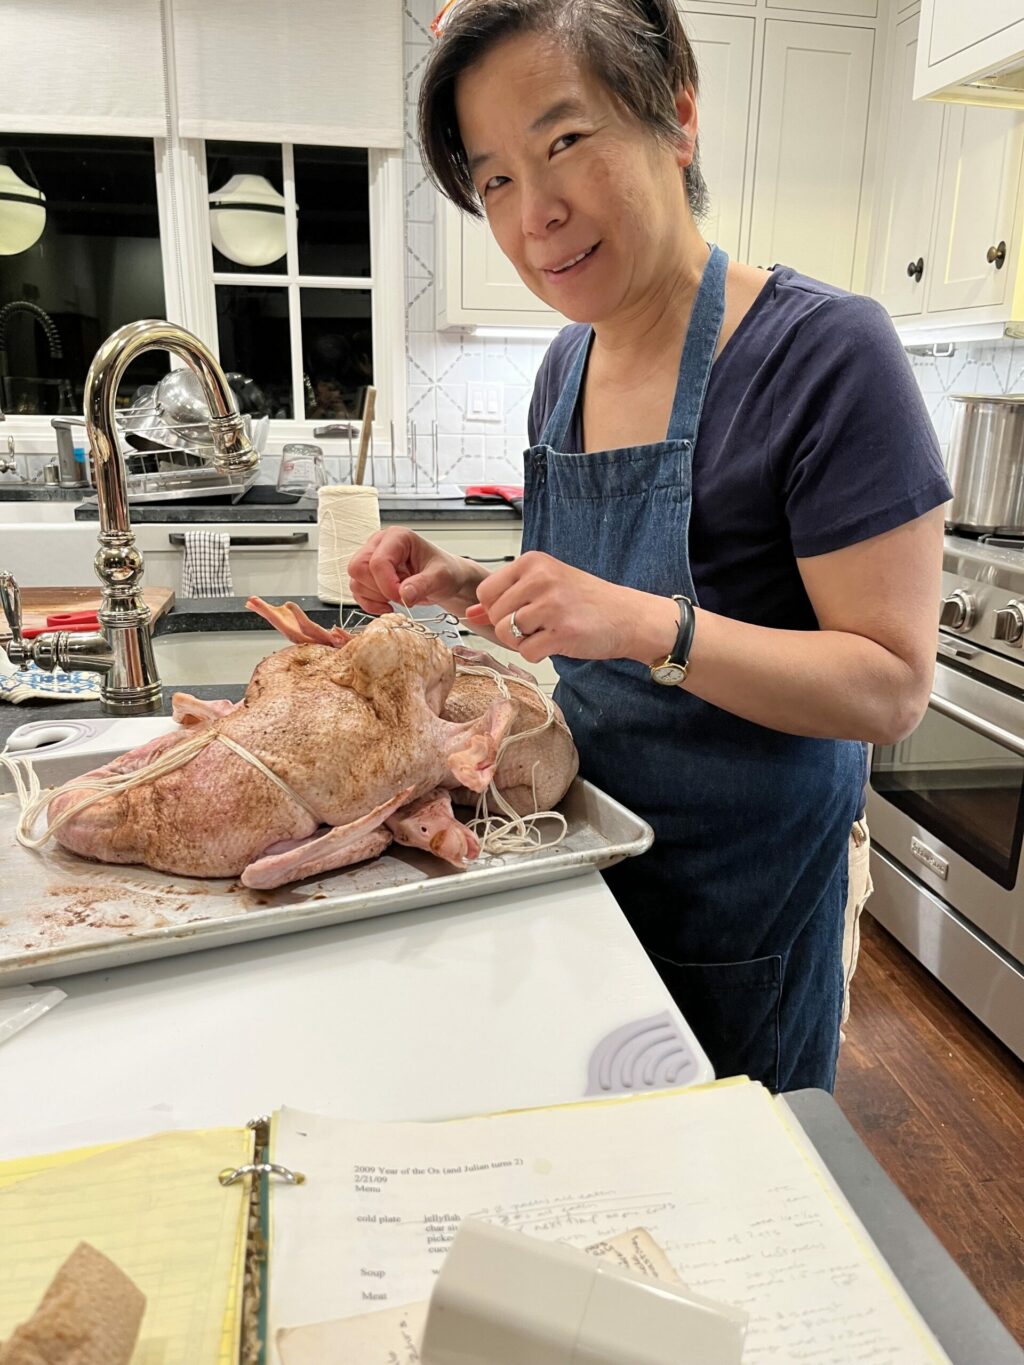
{"points": [[740, 1207]]}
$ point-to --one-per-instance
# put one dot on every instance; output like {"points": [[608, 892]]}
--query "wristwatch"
{"points": [[672, 670]]}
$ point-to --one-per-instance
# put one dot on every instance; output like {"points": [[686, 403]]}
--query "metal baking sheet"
{"points": [[61, 914]]}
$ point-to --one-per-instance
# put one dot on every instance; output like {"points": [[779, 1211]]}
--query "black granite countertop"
{"points": [[265, 505], [13, 716], [187, 614], [190, 614]]}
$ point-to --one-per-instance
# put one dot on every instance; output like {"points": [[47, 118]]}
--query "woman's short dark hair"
{"points": [[636, 48]]}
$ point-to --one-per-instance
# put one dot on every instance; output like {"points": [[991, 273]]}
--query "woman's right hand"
{"points": [[397, 565]]}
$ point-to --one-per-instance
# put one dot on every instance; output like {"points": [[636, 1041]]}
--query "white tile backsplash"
{"points": [[441, 364]]}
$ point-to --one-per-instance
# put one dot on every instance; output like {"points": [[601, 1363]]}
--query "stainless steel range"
{"points": [[946, 805]]}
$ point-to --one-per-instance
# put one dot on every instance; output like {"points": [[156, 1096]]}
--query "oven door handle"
{"points": [[296, 538], [978, 724]]}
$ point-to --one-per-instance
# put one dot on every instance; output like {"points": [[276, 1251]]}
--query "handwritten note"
{"points": [[739, 1206], [393, 1336]]}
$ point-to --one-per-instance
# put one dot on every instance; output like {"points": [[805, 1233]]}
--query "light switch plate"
{"points": [[485, 402]]}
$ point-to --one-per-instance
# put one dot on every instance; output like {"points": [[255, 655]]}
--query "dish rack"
{"points": [[416, 471], [173, 467]]}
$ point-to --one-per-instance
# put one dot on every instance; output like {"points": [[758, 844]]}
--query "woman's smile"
{"points": [[573, 266]]}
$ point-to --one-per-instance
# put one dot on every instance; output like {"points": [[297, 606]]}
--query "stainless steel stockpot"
{"points": [[985, 461]]}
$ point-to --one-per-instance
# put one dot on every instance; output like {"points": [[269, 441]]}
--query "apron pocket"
{"points": [[733, 1008]]}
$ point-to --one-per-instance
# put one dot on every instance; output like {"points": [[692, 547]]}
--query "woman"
{"points": [[732, 521]]}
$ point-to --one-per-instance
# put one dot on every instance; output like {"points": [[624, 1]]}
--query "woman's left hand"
{"points": [[561, 610]]}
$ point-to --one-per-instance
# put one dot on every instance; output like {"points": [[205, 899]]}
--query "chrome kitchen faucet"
{"points": [[122, 651]]}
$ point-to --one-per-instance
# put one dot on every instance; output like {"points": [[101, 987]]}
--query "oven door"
{"points": [[947, 803]]}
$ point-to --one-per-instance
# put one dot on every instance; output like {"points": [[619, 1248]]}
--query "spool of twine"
{"points": [[348, 514]]}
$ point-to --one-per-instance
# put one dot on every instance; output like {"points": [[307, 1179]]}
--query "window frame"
{"points": [[190, 280]]}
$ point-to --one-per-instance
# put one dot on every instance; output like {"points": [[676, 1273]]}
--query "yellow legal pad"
{"points": [[156, 1208]]}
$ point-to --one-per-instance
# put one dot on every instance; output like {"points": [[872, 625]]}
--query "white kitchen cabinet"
{"points": [[972, 51], [950, 191], [976, 213], [476, 283], [864, 9], [910, 172], [724, 47], [811, 147]]}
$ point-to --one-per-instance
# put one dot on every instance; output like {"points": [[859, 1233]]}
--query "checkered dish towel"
{"points": [[206, 569]]}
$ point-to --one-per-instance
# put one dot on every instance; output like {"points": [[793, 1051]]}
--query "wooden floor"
{"points": [[940, 1103]]}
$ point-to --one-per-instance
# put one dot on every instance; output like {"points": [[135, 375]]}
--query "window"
{"points": [[291, 253], [299, 308], [95, 266]]}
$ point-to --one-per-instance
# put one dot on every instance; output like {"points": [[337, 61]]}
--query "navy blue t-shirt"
{"points": [[814, 436]]}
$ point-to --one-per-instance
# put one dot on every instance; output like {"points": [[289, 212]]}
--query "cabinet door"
{"points": [[976, 207], [489, 282], [811, 145], [954, 26], [964, 41], [909, 176], [724, 46]]}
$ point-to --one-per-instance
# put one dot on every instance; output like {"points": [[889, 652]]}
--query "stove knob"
{"points": [[1009, 624], [957, 611]]}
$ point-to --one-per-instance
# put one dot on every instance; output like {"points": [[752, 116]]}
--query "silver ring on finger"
{"points": [[516, 632]]}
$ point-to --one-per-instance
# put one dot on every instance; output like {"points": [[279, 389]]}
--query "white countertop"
{"points": [[485, 1004]]}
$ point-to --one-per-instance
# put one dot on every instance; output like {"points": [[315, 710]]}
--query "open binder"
{"points": [[304, 1219]]}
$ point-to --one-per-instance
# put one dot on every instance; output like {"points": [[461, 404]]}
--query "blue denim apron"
{"points": [[740, 901]]}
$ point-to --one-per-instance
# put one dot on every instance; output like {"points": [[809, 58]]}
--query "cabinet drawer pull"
{"points": [[296, 538], [916, 269], [996, 255]]}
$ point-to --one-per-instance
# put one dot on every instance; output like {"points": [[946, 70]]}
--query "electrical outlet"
{"points": [[485, 402]]}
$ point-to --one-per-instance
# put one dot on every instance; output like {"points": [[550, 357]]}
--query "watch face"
{"points": [[670, 675]]}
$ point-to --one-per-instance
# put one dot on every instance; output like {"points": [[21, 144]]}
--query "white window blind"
{"points": [[93, 67], [326, 72]]}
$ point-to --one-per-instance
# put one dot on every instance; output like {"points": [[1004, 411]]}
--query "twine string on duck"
{"points": [[32, 799], [510, 832]]}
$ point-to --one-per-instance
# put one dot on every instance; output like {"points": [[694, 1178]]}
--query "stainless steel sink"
{"points": [[229, 656], [212, 656]]}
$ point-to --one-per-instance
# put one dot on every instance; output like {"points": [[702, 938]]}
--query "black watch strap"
{"points": [[684, 640]]}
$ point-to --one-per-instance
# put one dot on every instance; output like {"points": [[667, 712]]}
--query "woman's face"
{"points": [[587, 205]]}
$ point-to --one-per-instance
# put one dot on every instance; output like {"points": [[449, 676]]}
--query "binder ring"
{"points": [[229, 1176]]}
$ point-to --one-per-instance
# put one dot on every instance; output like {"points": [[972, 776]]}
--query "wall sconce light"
{"points": [[247, 221], [22, 213]]}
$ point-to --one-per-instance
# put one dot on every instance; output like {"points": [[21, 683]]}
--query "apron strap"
{"points": [[556, 428], [702, 335]]}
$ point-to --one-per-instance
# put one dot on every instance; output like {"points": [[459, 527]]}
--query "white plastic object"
{"points": [[28, 737], [503, 1298], [20, 1005]]}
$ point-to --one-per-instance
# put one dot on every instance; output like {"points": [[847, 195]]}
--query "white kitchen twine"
{"points": [[511, 832], [348, 514], [32, 800]]}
